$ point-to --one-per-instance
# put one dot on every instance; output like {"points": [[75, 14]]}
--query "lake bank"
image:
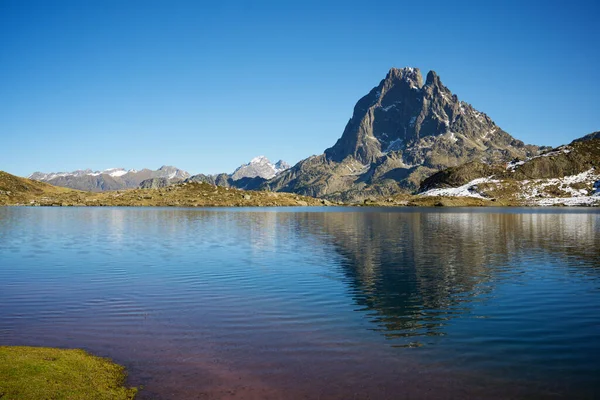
{"points": [[39, 372]]}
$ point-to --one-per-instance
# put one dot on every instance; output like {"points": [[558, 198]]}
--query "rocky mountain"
{"points": [[259, 167], [248, 176], [402, 131], [109, 179], [568, 174]]}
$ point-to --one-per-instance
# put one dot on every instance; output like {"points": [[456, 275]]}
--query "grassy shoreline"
{"points": [[44, 373]]}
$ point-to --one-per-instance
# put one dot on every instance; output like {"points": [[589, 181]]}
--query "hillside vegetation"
{"points": [[21, 191]]}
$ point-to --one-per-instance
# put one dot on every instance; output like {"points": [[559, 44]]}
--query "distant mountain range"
{"points": [[258, 170], [109, 179]]}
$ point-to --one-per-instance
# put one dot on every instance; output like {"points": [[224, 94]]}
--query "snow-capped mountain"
{"points": [[259, 167], [108, 179]]}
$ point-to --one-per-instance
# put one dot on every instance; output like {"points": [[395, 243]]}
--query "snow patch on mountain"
{"points": [[574, 187], [575, 190], [468, 190], [115, 172]]}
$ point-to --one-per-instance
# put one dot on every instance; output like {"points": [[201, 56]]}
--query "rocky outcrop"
{"points": [[225, 180], [402, 131], [217, 180], [156, 183]]}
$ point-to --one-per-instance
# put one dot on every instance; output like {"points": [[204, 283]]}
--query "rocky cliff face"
{"points": [[400, 132], [110, 179]]}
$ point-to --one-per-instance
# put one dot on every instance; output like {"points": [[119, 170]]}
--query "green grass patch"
{"points": [[46, 373]]}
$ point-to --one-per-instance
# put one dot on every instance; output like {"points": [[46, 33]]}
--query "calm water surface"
{"points": [[313, 303]]}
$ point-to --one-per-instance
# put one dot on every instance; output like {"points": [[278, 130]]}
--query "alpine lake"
{"points": [[313, 303]]}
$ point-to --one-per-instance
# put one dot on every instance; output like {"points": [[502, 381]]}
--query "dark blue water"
{"points": [[313, 303]]}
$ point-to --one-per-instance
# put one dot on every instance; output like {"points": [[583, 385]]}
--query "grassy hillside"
{"points": [[15, 190], [22, 191]]}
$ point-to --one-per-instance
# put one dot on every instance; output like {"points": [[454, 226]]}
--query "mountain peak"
{"points": [[405, 117], [432, 78], [259, 167], [260, 160], [282, 165], [410, 75]]}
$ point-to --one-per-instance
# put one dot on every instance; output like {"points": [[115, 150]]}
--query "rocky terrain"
{"points": [[566, 175], [401, 132], [110, 179]]}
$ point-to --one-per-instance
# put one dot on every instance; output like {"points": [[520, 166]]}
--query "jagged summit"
{"points": [[402, 110], [412, 76], [433, 79]]}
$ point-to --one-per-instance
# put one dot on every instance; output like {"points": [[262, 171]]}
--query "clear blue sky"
{"points": [[206, 86]]}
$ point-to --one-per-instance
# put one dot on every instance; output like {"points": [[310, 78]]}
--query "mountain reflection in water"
{"points": [[413, 272]]}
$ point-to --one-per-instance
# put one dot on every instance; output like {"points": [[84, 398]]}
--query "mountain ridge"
{"points": [[108, 179], [246, 176], [403, 130]]}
